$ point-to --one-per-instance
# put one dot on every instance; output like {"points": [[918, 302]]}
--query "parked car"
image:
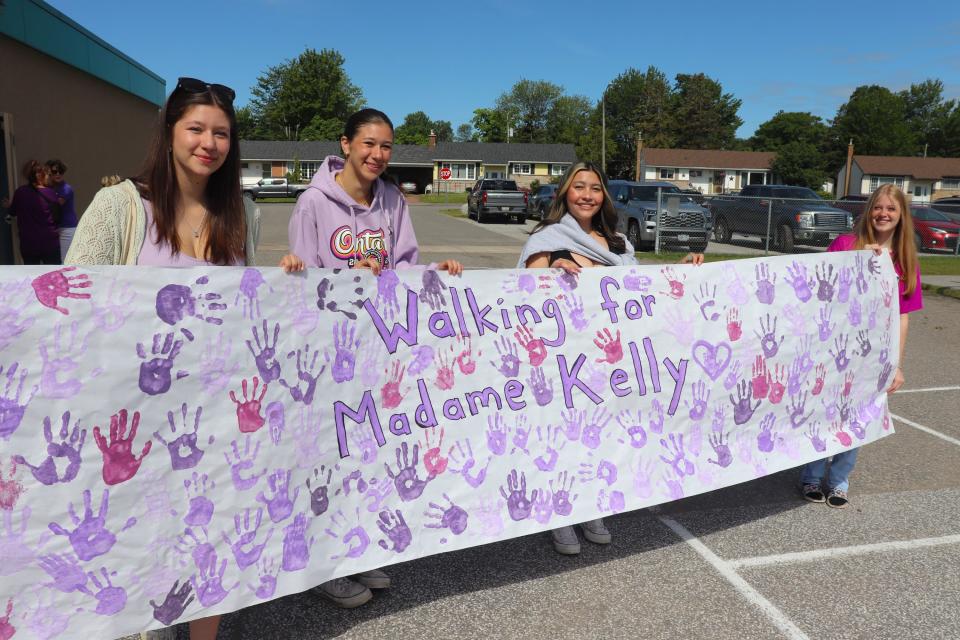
{"points": [[782, 214], [949, 206], [408, 186], [853, 204], [682, 221], [496, 197], [274, 188], [934, 230], [695, 194], [539, 203]]}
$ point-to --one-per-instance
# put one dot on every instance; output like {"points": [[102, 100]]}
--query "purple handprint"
{"points": [[68, 449], [796, 408], [591, 431], [768, 339], [448, 516], [432, 291], [200, 507], [766, 437], [319, 497], [280, 504], [59, 358], [636, 282], [183, 450], [605, 471], [497, 434], [509, 362], [824, 326], [884, 376], [707, 301], [409, 485], [178, 599], [543, 507], [265, 354], [267, 572], [15, 301], [541, 387], [387, 303], [802, 286], [855, 313], [677, 456], [244, 549], [67, 574], [861, 278], [518, 504], [216, 370], [12, 408], [90, 538], [277, 420], [461, 462], [296, 547], [422, 359], [53, 285], [795, 377], [766, 287], [631, 423], [840, 358], [306, 374], [209, 588], [562, 500], [395, 528], [248, 294], [813, 434], [656, 420], [111, 600], [743, 406], [345, 347], [112, 310], [701, 395], [243, 462], [574, 305], [719, 443], [155, 373], [826, 281], [176, 302]]}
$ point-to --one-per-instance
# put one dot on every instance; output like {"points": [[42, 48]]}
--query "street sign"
{"points": [[445, 174]]}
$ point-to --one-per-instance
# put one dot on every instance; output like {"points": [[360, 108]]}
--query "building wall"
{"points": [[62, 112]]}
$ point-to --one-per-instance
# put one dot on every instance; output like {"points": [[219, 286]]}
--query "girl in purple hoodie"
{"points": [[350, 217]]}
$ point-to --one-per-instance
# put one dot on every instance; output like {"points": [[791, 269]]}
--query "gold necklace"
{"points": [[361, 201]]}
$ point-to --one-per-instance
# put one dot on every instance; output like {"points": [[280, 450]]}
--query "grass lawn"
{"points": [[441, 198], [929, 265], [275, 200], [453, 213]]}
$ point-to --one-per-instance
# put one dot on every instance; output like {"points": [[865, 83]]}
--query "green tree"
{"points": [[321, 128], [927, 114], [289, 97], [465, 133], [785, 127], [704, 116], [875, 119], [800, 163], [490, 125], [246, 125], [443, 129], [526, 107], [415, 129], [568, 120]]}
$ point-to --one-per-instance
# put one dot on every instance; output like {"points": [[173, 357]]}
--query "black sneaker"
{"points": [[812, 493], [837, 498]]}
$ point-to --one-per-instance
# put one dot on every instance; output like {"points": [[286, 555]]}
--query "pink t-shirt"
{"points": [[908, 303], [156, 254]]}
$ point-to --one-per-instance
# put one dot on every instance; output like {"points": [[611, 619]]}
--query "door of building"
{"points": [[921, 193], [8, 183]]}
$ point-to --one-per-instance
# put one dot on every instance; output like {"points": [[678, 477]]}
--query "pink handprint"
{"points": [[390, 393], [433, 460], [777, 388], [444, 371], [11, 488], [842, 436], [536, 350], [675, 281], [7, 630], [761, 378], [119, 463], [465, 360], [248, 411], [611, 347], [734, 325], [818, 382], [53, 285]]}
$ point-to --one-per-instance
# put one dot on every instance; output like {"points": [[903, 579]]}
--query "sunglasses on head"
{"points": [[193, 85]]}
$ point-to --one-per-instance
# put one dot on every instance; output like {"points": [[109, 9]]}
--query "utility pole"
{"points": [[603, 130], [636, 175]]}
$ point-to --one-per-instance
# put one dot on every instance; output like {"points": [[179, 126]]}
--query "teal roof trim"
{"points": [[40, 26]]}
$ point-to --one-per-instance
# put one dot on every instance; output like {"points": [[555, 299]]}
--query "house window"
{"points": [[557, 169], [666, 174], [695, 173], [308, 169], [951, 183], [244, 165], [461, 170], [266, 171], [876, 181], [521, 168]]}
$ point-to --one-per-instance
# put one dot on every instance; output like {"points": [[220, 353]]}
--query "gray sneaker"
{"points": [[565, 541], [345, 593], [596, 532], [374, 579]]}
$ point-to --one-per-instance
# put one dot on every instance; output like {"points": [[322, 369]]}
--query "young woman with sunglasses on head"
{"points": [[185, 209]]}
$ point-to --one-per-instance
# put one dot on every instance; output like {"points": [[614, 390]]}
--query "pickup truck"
{"points": [[490, 197], [274, 188], [782, 214], [682, 220]]}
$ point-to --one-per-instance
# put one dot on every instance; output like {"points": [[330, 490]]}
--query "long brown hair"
{"points": [[30, 170], [603, 222], [157, 182], [903, 243]]}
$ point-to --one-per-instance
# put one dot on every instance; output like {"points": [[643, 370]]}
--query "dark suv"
{"points": [[540, 201], [949, 206]]}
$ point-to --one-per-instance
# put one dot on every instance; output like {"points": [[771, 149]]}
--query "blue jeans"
{"points": [[840, 468]]}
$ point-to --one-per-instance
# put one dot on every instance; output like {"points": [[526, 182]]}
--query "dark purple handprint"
{"points": [[90, 538], [395, 528], [743, 406], [265, 353], [802, 286], [176, 302], [863, 341], [449, 517], [68, 449], [509, 364], [12, 408], [826, 281], [861, 278], [177, 600], [155, 372], [884, 376], [183, 450], [768, 337], [409, 485], [280, 503], [518, 504], [432, 291], [307, 374], [319, 498]]}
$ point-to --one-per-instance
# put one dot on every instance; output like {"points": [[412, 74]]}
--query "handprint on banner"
{"points": [[634, 281], [676, 456], [679, 325], [674, 282], [279, 503], [562, 500], [245, 550], [433, 459], [216, 370], [249, 418], [67, 448], [540, 386], [700, 395], [241, 463], [519, 504], [248, 296], [846, 281], [90, 537], [632, 424], [464, 359], [777, 388], [111, 599], [390, 392], [345, 347], [267, 570], [354, 538], [183, 449], [445, 376], [303, 317], [863, 342], [768, 336], [111, 310], [604, 471], [119, 462], [326, 287], [65, 570], [432, 290], [574, 308], [54, 285], [861, 277], [462, 462], [61, 356], [594, 427], [855, 312], [796, 408], [840, 357], [813, 435], [178, 599], [802, 285], [199, 507], [766, 286], [766, 439], [707, 301], [536, 350], [209, 584], [265, 353], [826, 282], [609, 345], [15, 302], [16, 554], [448, 516], [550, 445], [509, 365], [387, 302], [10, 488], [525, 283], [307, 375], [12, 404], [296, 547], [319, 490], [395, 528], [176, 302], [156, 371], [521, 435], [824, 326], [743, 406]]}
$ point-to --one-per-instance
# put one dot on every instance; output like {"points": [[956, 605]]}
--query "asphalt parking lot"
{"points": [[748, 561]]}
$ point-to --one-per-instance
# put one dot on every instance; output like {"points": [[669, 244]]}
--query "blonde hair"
{"points": [[109, 181], [903, 244]]}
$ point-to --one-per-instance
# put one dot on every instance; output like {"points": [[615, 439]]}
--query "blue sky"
{"points": [[448, 58]]}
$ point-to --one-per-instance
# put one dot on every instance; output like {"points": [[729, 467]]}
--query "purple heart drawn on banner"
{"points": [[712, 359]]}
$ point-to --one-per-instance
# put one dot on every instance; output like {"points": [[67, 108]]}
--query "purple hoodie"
{"points": [[329, 229]]}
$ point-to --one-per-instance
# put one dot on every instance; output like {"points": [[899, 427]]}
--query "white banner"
{"points": [[183, 442]]}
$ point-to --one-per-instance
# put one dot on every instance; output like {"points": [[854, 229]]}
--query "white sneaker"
{"points": [[596, 532], [565, 541], [373, 579], [345, 593]]}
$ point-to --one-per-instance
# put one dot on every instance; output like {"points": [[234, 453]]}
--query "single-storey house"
{"points": [[707, 170], [923, 179], [467, 161]]}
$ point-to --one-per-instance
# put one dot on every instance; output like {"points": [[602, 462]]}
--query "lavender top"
{"points": [[156, 254]]}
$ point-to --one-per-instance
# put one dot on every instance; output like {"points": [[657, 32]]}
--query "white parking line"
{"points": [[839, 552], [920, 427], [899, 391], [726, 570]]}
